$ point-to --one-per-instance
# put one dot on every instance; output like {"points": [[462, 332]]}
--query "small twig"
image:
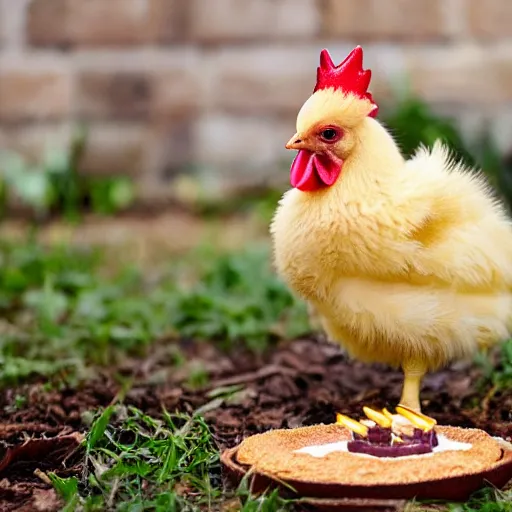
{"points": [[10, 429], [209, 406], [113, 492], [244, 378], [153, 359], [487, 399], [120, 395], [42, 476]]}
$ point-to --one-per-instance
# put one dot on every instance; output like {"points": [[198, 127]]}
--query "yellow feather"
{"points": [[405, 261]]}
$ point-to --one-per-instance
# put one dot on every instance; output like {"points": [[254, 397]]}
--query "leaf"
{"points": [[33, 188], [49, 303], [121, 194], [34, 451], [56, 161], [99, 427], [66, 487], [13, 369]]}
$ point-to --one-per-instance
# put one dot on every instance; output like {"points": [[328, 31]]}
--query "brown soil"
{"points": [[300, 383]]}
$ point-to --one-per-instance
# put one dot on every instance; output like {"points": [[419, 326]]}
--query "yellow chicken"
{"points": [[406, 262]]}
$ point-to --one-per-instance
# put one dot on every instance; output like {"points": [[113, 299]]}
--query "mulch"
{"points": [[303, 382]]}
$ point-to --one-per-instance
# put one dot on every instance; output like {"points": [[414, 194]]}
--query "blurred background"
{"points": [[158, 101], [141, 159]]}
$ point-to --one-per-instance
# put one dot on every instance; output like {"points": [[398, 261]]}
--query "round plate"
{"points": [[454, 488]]}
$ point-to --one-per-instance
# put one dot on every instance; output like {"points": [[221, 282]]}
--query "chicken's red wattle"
{"points": [[312, 171]]}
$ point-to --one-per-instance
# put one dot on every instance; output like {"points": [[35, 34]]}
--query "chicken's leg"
{"points": [[413, 374]]}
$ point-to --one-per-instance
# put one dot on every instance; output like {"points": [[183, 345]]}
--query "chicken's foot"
{"points": [[413, 374]]}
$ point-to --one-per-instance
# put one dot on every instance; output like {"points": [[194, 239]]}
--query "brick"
{"points": [[239, 152], [377, 20], [501, 130], [89, 22], [271, 80], [113, 95], [34, 95], [12, 23], [169, 20], [177, 92], [47, 23], [31, 140], [116, 22], [115, 149], [462, 76], [170, 149], [232, 20], [3, 23], [502, 73], [243, 143], [490, 19], [111, 149], [278, 80]]}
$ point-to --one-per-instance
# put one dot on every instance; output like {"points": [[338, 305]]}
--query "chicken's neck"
{"points": [[315, 231], [373, 167]]}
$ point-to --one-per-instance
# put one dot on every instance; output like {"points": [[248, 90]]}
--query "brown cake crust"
{"points": [[273, 453]]}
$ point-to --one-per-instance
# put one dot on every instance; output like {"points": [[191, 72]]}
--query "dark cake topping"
{"points": [[385, 435]]}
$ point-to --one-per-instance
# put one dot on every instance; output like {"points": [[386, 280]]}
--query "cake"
{"points": [[333, 454]]}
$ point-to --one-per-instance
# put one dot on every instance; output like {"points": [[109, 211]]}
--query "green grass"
{"points": [[239, 298], [134, 462], [496, 375], [486, 500], [55, 301], [63, 312], [59, 301], [502, 376], [142, 463]]}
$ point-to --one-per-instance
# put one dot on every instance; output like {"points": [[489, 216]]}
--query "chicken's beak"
{"points": [[296, 142]]}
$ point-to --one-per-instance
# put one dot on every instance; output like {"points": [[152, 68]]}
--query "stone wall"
{"points": [[212, 87]]}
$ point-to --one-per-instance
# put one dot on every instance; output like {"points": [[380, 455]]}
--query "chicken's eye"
{"points": [[330, 134]]}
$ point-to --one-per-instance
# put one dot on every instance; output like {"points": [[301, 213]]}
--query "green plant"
{"points": [[109, 195], [198, 376], [486, 500], [136, 462], [413, 123], [503, 374], [133, 461], [267, 502], [239, 298], [57, 301], [497, 374], [55, 185]]}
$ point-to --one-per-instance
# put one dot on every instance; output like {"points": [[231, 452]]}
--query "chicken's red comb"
{"points": [[349, 76]]}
